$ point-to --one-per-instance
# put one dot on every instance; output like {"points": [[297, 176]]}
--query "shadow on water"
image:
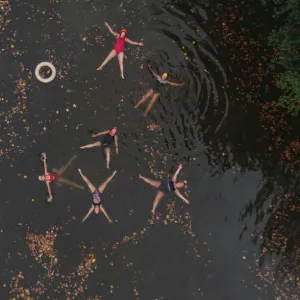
{"points": [[202, 247]]}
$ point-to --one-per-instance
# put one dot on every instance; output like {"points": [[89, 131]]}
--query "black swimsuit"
{"points": [[167, 187], [106, 139], [158, 84], [97, 201]]}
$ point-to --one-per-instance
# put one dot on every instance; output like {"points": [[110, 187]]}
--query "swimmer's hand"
{"points": [[117, 150], [187, 201], [141, 44], [94, 135], [106, 24], [180, 167], [110, 221]]}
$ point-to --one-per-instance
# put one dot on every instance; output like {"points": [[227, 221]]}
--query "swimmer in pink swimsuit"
{"points": [[119, 48], [50, 177]]}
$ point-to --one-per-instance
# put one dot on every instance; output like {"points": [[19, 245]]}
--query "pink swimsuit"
{"points": [[51, 177], [119, 46]]}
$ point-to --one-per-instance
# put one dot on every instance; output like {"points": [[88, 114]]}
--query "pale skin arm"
{"points": [[134, 43], [174, 83], [174, 178], [116, 144], [105, 214], [110, 30], [47, 183], [88, 214], [151, 70], [100, 133], [182, 197], [49, 190], [45, 166]]}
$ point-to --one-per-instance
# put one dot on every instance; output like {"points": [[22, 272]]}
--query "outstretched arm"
{"points": [[45, 166], [134, 43], [174, 83], [182, 197], [49, 190], [105, 214], [100, 133], [174, 178], [88, 214], [151, 70], [110, 29], [116, 144]]}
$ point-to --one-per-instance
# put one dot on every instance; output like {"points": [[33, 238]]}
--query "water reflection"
{"points": [[185, 125]]}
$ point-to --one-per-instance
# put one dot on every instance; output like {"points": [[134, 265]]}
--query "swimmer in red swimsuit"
{"points": [[97, 194], [119, 48], [50, 177]]}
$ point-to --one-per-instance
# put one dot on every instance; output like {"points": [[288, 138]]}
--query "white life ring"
{"points": [[45, 64]]}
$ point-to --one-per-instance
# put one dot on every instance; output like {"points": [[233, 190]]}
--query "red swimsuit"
{"points": [[51, 177], [119, 46]]}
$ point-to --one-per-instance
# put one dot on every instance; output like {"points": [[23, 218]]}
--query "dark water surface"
{"points": [[216, 259]]}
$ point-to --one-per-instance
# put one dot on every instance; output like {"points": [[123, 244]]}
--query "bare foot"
{"points": [[122, 76], [107, 166]]}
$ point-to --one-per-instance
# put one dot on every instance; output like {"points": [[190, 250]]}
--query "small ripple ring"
{"points": [[45, 64]]}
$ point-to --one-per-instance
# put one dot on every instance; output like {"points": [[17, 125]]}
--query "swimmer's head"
{"points": [[179, 184], [113, 131], [123, 32], [42, 178], [96, 209], [164, 76]]}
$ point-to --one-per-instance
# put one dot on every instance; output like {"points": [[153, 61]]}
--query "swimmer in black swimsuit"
{"points": [[97, 196], [165, 187], [159, 84], [106, 138]]}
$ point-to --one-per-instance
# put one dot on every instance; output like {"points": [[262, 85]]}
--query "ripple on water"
{"points": [[183, 49]]}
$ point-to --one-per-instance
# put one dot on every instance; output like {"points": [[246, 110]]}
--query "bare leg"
{"points": [[107, 154], [145, 97], [154, 183], [97, 144], [152, 101], [63, 169], [69, 182], [90, 185], [106, 214], [102, 187], [110, 56], [158, 197], [121, 57]]}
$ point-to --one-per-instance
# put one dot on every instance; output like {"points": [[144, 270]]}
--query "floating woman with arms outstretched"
{"points": [[97, 196], [159, 84], [119, 48], [50, 177], [106, 138], [165, 187]]}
